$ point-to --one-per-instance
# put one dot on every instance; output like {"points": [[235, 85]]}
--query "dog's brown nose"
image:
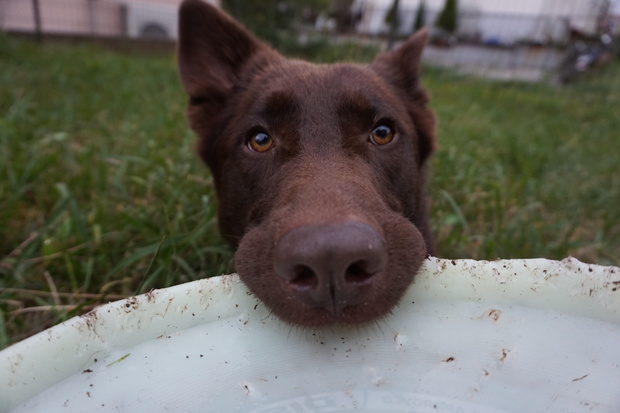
{"points": [[331, 266]]}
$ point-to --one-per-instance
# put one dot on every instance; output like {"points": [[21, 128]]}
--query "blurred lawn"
{"points": [[101, 195]]}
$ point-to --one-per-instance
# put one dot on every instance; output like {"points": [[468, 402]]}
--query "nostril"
{"points": [[304, 278], [357, 273], [332, 266]]}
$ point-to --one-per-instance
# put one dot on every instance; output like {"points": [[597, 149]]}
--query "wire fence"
{"points": [[155, 19], [508, 40]]}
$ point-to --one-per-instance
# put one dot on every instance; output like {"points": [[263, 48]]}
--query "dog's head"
{"points": [[319, 168]]}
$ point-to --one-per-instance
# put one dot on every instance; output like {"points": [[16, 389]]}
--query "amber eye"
{"points": [[260, 142], [382, 135]]}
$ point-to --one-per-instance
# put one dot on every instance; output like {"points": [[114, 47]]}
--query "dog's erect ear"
{"points": [[401, 67], [212, 51], [403, 64]]}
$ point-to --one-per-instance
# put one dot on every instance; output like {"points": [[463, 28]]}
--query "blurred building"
{"points": [[152, 19], [501, 22]]}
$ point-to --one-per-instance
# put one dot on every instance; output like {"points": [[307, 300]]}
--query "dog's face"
{"points": [[319, 168]]}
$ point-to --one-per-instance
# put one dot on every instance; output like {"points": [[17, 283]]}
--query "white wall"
{"points": [[503, 21], [87, 17]]}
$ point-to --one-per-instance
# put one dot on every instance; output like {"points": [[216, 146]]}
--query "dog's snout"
{"points": [[331, 266]]}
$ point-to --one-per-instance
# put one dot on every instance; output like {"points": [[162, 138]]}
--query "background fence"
{"points": [[525, 40]]}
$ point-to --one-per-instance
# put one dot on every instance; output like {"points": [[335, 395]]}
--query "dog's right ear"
{"points": [[212, 51]]}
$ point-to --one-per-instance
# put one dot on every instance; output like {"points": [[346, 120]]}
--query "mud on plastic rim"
{"points": [[469, 336]]}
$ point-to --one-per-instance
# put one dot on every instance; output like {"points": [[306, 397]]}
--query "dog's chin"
{"points": [[355, 315], [406, 253]]}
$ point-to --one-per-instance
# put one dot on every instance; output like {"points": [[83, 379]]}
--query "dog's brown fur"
{"points": [[323, 190]]}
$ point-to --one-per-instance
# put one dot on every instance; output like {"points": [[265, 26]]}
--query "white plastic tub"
{"points": [[469, 336]]}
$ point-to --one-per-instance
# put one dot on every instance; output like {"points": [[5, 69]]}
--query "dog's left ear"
{"points": [[401, 68]]}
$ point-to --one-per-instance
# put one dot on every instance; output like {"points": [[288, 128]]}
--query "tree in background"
{"points": [[392, 18], [340, 10], [272, 20], [420, 17], [447, 19]]}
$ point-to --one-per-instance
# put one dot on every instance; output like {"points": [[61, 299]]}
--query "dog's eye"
{"points": [[260, 142], [381, 135]]}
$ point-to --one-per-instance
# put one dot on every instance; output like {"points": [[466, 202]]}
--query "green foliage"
{"points": [[340, 10], [321, 49], [526, 170], [448, 17], [272, 20], [102, 196], [99, 185], [392, 17], [420, 16]]}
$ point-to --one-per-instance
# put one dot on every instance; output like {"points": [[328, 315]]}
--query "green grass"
{"points": [[101, 195], [527, 170]]}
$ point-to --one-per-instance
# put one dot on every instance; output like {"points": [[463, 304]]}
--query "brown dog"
{"points": [[319, 169]]}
